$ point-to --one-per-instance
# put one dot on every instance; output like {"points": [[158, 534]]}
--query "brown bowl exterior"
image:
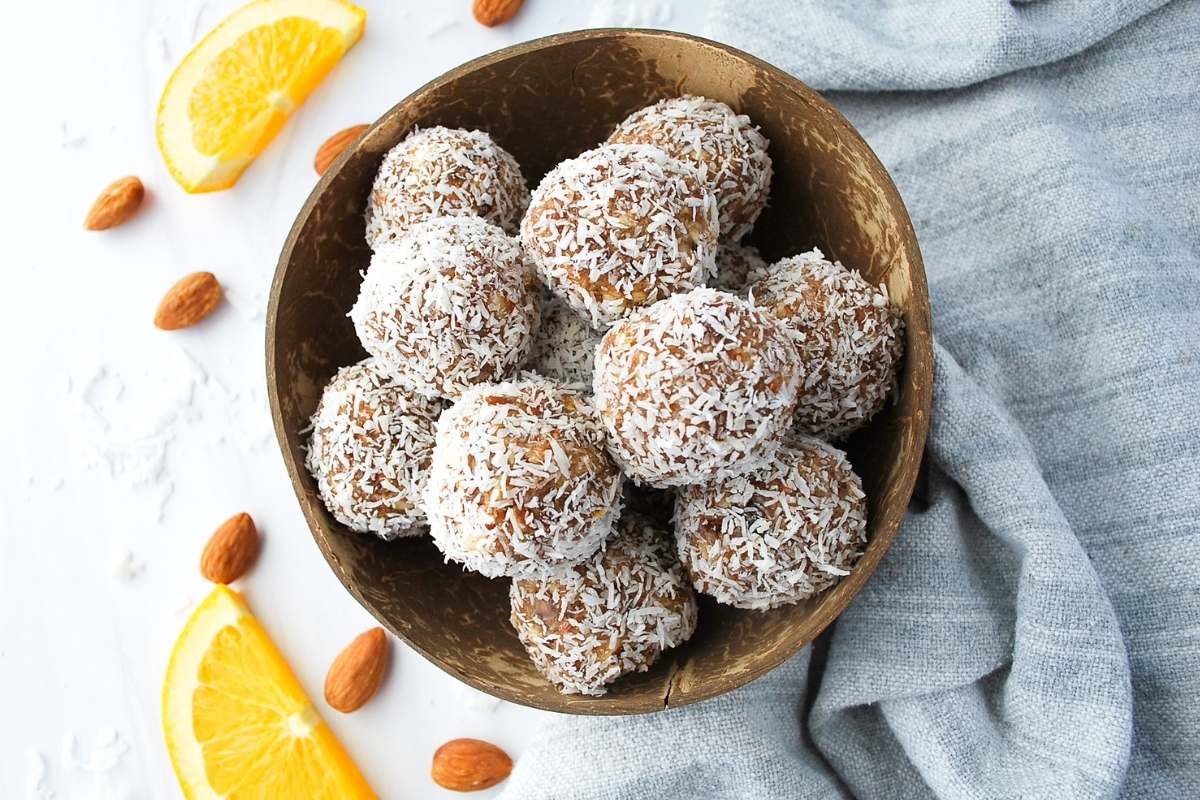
{"points": [[544, 101]]}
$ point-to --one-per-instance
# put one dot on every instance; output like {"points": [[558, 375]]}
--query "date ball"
{"points": [[520, 480], [444, 172], [727, 149], [451, 303], [564, 346], [775, 536], [370, 449], [588, 625], [694, 388], [620, 227], [848, 334]]}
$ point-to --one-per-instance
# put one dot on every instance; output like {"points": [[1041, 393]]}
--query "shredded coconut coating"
{"points": [[370, 449], [588, 625], [564, 346], [727, 149], [695, 387], [738, 265], [619, 227], [847, 333], [444, 172], [449, 304], [520, 480], [778, 535]]}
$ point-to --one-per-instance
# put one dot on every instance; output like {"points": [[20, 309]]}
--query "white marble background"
{"points": [[123, 446]]}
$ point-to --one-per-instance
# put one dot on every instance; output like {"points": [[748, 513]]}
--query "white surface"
{"points": [[125, 446]]}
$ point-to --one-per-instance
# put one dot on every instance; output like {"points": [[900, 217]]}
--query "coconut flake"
{"points": [[695, 387], [369, 451], [444, 172], [124, 566], [775, 536], [847, 333], [620, 227], [520, 481], [727, 149], [449, 304], [585, 626], [564, 347], [737, 266]]}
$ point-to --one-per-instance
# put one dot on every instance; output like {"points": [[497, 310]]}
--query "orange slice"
{"points": [[234, 91], [238, 724]]}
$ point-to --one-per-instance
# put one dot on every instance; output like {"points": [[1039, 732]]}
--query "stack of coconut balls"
{"points": [[528, 354]]}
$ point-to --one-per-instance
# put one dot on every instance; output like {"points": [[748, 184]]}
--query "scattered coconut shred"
{"points": [[846, 329], [439, 172], [619, 227], [370, 449], [449, 304], [585, 626], [778, 535], [728, 151], [694, 388], [520, 480]]}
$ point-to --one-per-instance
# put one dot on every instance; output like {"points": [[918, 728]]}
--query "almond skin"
{"points": [[231, 550], [468, 765], [334, 145], [357, 672], [190, 300], [116, 204], [495, 12]]}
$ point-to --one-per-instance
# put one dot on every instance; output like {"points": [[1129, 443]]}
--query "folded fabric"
{"points": [[1035, 629], [882, 46]]}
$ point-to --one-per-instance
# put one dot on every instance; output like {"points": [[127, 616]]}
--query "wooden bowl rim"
{"points": [[918, 295]]}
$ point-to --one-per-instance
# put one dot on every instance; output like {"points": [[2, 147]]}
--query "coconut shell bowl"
{"points": [[545, 101]]}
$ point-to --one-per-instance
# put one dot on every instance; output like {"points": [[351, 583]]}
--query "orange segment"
{"points": [[233, 92], [237, 722]]}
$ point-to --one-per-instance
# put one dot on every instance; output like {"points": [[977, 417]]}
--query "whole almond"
{"points": [[495, 12], [116, 204], [190, 300], [231, 550], [468, 765], [334, 145], [355, 675]]}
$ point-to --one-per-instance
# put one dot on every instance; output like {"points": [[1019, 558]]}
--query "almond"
{"points": [[495, 12], [468, 765], [334, 145], [231, 550], [355, 675], [116, 204], [190, 300]]}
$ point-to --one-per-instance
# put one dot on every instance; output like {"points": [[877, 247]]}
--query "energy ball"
{"points": [[619, 227], [444, 172], [847, 333], [520, 480], [588, 625], [726, 148], [737, 266], [370, 449], [449, 304], [564, 346], [695, 387], [775, 536]]}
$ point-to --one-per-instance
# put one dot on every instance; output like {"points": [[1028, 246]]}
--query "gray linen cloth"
{"points": [[1035, 630]]}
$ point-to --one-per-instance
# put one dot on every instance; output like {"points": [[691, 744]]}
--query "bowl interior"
{"points": [[545, 101]]}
